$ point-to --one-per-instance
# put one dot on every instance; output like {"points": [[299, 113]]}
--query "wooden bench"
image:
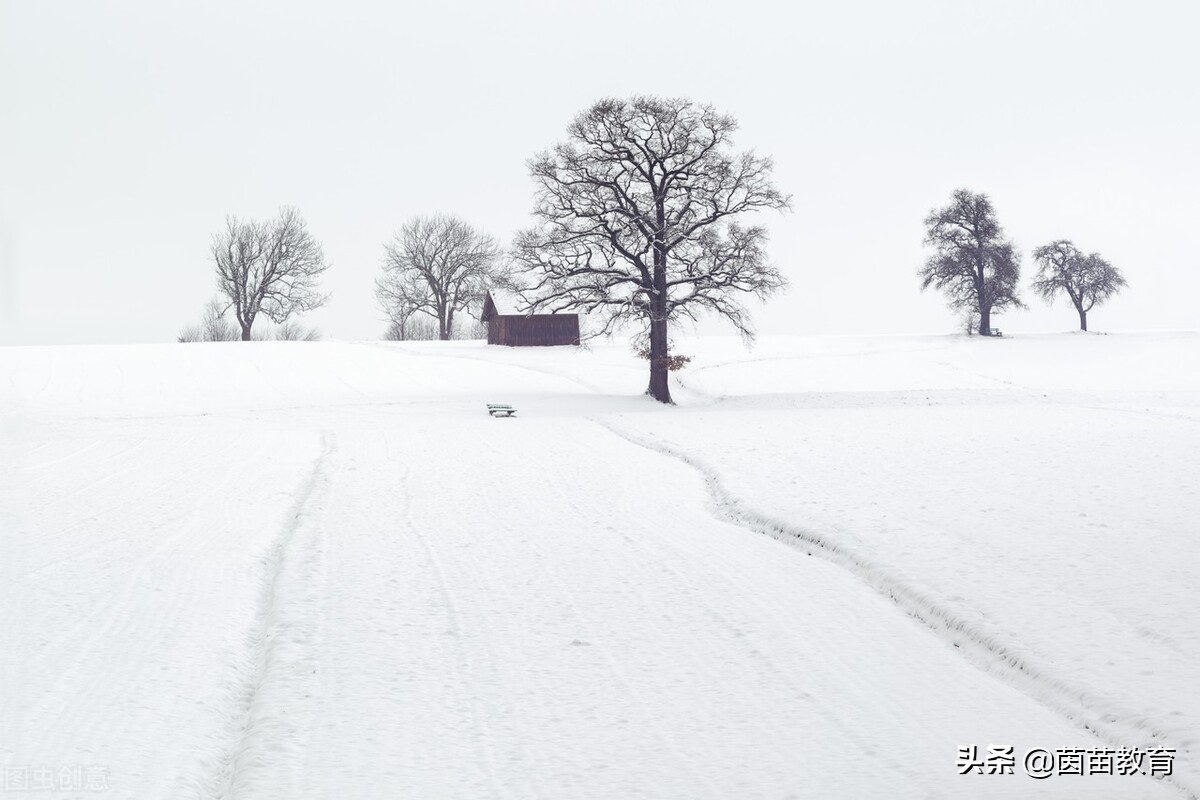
{"points": [[995, 332], [497, 410]]}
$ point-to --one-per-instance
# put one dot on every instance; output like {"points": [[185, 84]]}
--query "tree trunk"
{"points": [[1082, 319], [980, 277], [660, 349], [245, 333], [660, 356]]}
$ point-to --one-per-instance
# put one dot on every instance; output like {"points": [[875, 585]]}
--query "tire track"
{"points": [[258, 735], [1116, 726]]}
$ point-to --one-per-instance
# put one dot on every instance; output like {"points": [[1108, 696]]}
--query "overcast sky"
{"points": [[131, 128]]}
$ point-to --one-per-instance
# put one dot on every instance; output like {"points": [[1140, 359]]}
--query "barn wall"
{"points": [[538, 330]]}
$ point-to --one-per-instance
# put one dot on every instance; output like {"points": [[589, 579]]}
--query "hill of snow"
{"points": [[321, 570]]}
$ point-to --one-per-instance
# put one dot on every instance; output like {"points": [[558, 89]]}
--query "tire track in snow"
{"points": [[458, 629], [1116, 726], [273, 649], [613, 663], [74, 645], [669, 553], [62, 459]]}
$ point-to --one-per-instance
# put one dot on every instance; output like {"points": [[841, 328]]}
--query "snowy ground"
{"points": [[321, 570]]}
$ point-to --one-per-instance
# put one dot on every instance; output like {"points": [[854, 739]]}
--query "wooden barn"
{"points": [[506, 326]]}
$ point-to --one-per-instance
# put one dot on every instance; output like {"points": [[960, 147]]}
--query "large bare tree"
{"points": [[637, 222], [1086, 279], [972, 262], [436, 265], [269, 268]]}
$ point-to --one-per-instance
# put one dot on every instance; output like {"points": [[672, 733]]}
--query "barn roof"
{"points": [[498, 303]]}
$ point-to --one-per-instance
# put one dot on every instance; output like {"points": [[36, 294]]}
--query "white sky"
{"points": [[130, 128]]}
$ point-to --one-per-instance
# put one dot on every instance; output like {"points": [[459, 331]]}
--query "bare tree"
{"points": [[292, 331], [438, 265], [469, 329], [1086, 279], [213, 327], [423, 328], [970, 321], [188, 334], [636, 222], [400, 294], [972, 263], [269, 268], [415, 328]]}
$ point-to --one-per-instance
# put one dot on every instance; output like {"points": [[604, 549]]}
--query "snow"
{"points": [[504, 302], [321, 569]]}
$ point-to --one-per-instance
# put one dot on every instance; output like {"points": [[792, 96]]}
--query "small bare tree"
{"points": [[1086, 279], [424, 328], [415, 328], [636, 222], [970, 321], [213, 327], [469, 329], [438, 265], [972, 263], [268, 268], [292, 331], [400, 295]]}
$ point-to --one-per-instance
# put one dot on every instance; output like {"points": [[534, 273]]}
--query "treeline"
{"points": [[435, 269], [637, 221], [979, 268], [643, 216]]}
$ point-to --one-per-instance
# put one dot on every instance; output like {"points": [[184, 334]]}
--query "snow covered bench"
{"points": [[500, 410]]}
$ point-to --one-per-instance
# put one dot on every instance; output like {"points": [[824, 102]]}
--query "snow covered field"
{"points": [[319, 570]]}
